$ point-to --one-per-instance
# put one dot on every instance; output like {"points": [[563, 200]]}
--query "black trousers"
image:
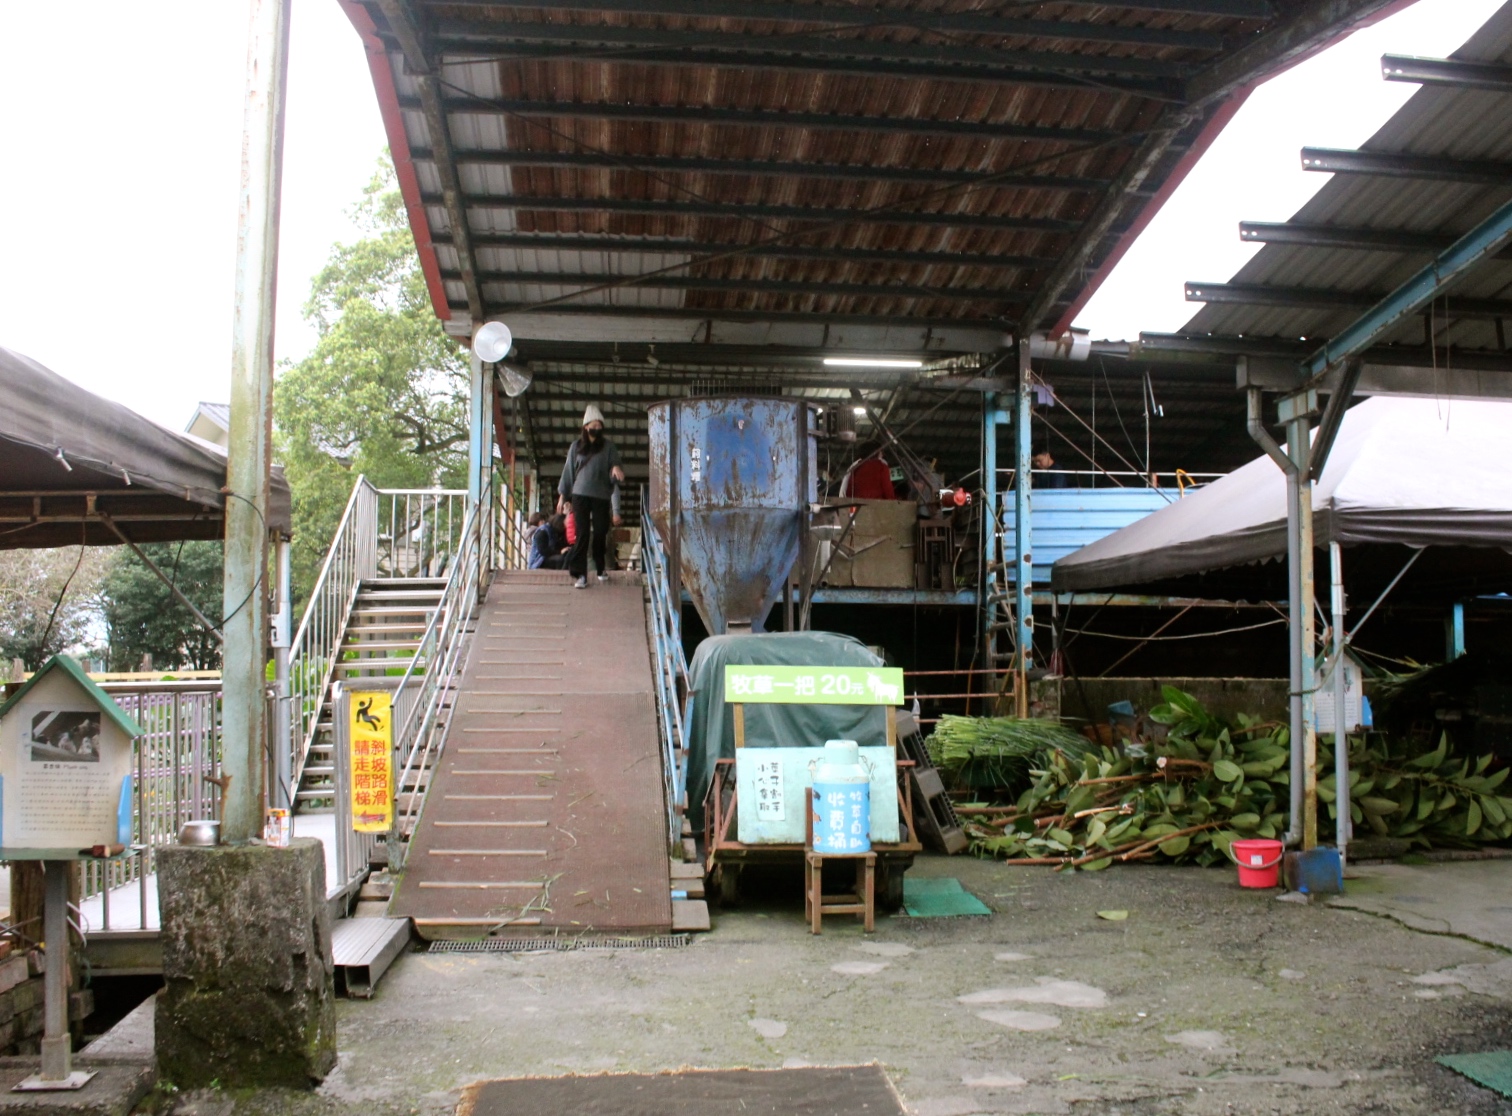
{"points": [[593, 522]]}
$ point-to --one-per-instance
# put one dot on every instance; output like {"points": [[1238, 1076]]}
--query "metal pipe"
{"points": [[1298, 446], [1341, 718], [57, 1046], [283, 762], [991, 555], [249, 452], [1296, 721], [1023, 557]]}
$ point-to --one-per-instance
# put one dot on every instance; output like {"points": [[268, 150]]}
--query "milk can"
{"points": [[842, 800]]}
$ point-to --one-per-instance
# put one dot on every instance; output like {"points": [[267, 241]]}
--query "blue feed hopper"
{"points": [[731, 481]]}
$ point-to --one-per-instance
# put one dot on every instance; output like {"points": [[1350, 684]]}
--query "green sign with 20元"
{"points": [[804, 685]]}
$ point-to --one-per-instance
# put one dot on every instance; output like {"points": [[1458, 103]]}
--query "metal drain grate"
{"points": [[559, 945]]}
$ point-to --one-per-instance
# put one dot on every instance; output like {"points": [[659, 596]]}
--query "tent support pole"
{"points": [[1341, 715], [1296, 721], [991, 549]]}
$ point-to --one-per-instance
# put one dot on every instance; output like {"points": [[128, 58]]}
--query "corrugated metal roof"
{"points": [[1033, 136], [1437, 121]]}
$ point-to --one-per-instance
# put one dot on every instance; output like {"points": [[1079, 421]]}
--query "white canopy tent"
{"points": [[1417, 472]]}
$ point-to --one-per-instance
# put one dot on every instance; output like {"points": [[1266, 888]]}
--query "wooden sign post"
{"points": [[65, 795]]}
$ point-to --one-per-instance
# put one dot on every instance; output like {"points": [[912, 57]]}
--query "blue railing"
{"points": [[670, 667]]}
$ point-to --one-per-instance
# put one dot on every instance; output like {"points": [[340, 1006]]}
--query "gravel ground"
{"points": [[1206, 999]]}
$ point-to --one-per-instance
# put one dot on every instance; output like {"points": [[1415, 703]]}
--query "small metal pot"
{"points": [[204, 831]]}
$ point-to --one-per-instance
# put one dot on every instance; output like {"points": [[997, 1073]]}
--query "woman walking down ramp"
{"points": [[590, 483]]}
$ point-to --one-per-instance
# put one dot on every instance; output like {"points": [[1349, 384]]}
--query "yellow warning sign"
{"points": [[371, 733]]}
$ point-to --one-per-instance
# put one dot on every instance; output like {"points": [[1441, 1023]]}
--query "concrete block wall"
{"points": [[21, 1007]]}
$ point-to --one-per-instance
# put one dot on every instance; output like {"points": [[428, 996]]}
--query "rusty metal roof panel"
{"points": [[1044, 132]]}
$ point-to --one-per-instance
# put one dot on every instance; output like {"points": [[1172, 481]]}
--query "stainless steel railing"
{"points": [[172, 763], [313, 652], [429, 679], [670, 669]]}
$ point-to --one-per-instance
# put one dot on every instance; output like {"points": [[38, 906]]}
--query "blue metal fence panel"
{"points": [[1064, 520]]}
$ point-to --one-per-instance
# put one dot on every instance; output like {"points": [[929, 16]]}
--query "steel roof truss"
{"points": [[1480, 172], [761, 168], [460, 104], [847, 15], [1447, 71]]}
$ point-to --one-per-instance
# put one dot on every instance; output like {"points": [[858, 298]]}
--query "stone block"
{"points": [[7, 1008], [26, 996], [13, 971], [249, 997], [81, 1004], [30, 1024]]}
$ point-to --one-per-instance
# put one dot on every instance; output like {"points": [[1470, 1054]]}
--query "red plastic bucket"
{"points": [[1259, 861]]}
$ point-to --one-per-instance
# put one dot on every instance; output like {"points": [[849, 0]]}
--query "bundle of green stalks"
{"points": [[984, 753]]}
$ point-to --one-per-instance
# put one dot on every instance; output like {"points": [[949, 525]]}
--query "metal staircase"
{"points": [[383, 634]]}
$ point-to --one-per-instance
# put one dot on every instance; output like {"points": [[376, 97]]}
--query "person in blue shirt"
{"points": [[548, 542]]}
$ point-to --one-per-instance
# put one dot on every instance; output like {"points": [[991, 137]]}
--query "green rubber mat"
{"points": [[1493, 1069], [940, 897]]}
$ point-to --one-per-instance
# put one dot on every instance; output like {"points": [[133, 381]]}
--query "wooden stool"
{"points": [[816, 904]]}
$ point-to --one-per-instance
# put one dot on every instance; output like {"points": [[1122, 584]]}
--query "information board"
{"points": [[813, 685]]}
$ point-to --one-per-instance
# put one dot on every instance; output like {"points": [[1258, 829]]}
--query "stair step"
{"points": [[396, 582], [380, 644], [393, 610], [432, 595], [319, 769], [382, 625]]}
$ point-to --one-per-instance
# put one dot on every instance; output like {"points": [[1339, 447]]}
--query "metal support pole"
{"points": [[1300, 558], [249, 449], [1341, 715], [57, 1047], [674, 521], [283, 729], [1023, 557], [991, 550], [477, 456], [805, 482]]}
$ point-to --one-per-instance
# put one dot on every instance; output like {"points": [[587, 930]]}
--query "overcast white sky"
{"points": [[121, 128]]}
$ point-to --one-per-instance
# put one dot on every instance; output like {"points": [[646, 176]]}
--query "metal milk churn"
{"points": [[842, 800]]}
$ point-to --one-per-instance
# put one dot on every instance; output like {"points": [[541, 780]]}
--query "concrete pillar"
{"points": [[249, 997]]}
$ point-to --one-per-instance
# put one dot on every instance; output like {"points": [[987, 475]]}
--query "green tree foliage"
{"points": [[383, 394], [48, 600], [143, 618]]}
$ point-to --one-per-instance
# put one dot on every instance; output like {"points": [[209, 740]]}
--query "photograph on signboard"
{"points": [[64, 736]]}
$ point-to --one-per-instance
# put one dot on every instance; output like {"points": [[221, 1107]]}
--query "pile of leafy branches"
{"points": [[1208, 783]]}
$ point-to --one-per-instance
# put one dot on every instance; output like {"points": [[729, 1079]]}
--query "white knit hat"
{"points": [[592, 414]]}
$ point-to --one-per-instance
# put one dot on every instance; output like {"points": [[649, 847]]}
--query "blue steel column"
{"points": [[244, 724], [1023, 556], [991, 551]]}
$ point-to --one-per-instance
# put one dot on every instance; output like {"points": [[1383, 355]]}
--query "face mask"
{"points": [[595, 436]]}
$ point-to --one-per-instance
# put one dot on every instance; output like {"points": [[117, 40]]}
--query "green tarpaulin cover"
{"points": [[711, 733]]}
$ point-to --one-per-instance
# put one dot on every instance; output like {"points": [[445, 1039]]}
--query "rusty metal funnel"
{"points": [[731, 480]]}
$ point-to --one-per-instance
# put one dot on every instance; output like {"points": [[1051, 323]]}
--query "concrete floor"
{"points": [[1206, 999]]}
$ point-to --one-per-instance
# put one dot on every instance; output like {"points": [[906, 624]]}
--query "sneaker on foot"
{"points": [[580, 583], [603, 577]]}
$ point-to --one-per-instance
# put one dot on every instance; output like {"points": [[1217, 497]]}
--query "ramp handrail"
{"points": [[670, 668], [435, 665], [315, 648]]}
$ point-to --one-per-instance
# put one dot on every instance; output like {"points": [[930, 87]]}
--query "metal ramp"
{"points": [[362, 949], [546, 811]]}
